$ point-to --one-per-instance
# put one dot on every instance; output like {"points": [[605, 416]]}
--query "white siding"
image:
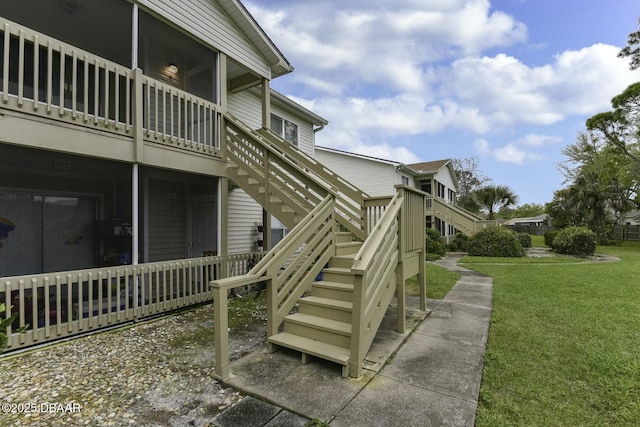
{"points": [[208, 22], [443, 176], [373, 177], [167, 221], [244, 214], [247, 106]]}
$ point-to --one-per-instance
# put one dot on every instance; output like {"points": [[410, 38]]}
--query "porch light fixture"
{"points": [[173, 68]]}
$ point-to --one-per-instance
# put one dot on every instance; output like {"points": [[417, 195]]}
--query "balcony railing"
{"points": [[63, 304], [45, 77]]}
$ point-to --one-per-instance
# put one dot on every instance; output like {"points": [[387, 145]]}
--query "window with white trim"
{"points": [[285, 128]]}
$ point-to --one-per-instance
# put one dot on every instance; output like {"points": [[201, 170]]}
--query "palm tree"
{"points": [[492, 198]]}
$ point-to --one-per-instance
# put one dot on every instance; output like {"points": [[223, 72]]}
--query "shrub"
{"points": [[452, 247], [495, 242], [461, 241], [549, 236], [579, 241], [432, 257], [524, 239], [434, 246]]}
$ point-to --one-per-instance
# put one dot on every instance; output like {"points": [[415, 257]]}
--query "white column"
{"points": [[134, 37], [135, 212]]}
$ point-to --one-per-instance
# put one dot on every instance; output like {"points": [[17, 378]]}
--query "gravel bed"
{"points": [[156, 373]]}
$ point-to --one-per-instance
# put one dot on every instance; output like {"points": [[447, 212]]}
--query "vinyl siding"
{"points": [[244, 214], [247, 106], [372, 177], [167, 221], [205, 20]]}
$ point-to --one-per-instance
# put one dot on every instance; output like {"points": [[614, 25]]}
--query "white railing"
{"points": [[63, 304], [177, 118], [42, 76]]}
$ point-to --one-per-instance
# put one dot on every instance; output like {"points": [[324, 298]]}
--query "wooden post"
{"points": [[357, 330], [221, 330]]}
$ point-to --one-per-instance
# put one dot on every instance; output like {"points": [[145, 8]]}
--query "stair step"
{"points": [[344, 237], [315, 348], [338, 274], [326, 307], [333, 290], [320, 323], [347, 248], [318, 328], [341, 261]]}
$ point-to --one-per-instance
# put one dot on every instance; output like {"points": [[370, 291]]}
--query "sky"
{"points": [[510, 82]]}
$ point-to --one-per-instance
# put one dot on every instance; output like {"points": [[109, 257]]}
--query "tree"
{"points": [[605, 180], [621, 127], [469, 176], [526, 210], [632, 49], [491, 198]]}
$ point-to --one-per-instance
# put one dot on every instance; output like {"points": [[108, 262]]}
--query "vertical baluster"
{"points": [[171, 112], [85, 89], [61, 82], [35, 324], [21, 68], [59, 306], [96, 91], [36, 71], [100, 280], [116, 96], [157, 107], [106, 94], [69, 283], [109, 298], [128, 99], [90, 298], [49, 75], [47, 308], [81, 302], [5, 61], [74, 84]]}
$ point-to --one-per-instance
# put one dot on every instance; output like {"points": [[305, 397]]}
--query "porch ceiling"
{"points": [[104, 27]]}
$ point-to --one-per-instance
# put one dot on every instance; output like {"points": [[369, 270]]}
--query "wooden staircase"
{"points": [[339, 315], [322, 325], [463, 220]]}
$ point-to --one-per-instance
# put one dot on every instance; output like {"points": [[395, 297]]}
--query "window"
{"points": [[405, 180], [47, 233], [285, 128]]}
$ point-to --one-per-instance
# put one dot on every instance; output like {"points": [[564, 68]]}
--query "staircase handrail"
{"points": [[349, 199], [375, 274], [287, 270], [459, 208]]}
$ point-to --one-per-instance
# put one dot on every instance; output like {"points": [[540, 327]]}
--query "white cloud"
{"points": [[380, 72]]}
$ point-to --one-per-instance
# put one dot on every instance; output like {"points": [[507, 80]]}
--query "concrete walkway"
{"points": [[428, 376]]}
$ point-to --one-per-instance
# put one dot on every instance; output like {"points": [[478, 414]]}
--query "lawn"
{"points": [[439, 281], [564, 343]]}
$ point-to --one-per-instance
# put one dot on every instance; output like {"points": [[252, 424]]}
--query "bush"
{"points": [[579, 241], [433, 243], [495, 242], [461, 241], [432, 257], [549, 236], [524, 239], [452, 247]]}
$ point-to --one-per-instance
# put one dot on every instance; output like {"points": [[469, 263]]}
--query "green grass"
{"points": [[564, 343], [439, 282]]}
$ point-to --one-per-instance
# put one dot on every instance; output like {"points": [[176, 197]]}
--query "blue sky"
{"points": [[510, 82]]}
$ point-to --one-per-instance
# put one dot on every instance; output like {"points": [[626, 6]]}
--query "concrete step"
{"points": [[317, 328], [315, 348], [333, 290], [326, 307]]}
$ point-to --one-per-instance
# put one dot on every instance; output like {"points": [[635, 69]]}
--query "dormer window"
{"points": [[285, 128]]}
